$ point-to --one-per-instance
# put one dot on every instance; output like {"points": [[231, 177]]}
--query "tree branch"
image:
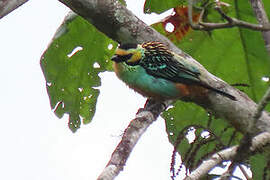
{"points": [[262, 18], [262, 104], [258, 142], [231, 22], [7, 6]]}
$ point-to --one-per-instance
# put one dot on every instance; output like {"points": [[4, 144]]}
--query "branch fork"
{"points": [[231, 22]]}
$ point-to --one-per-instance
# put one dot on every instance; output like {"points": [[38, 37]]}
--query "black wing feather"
{"points": [[169, 68]]}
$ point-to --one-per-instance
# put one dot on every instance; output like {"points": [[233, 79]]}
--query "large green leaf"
{"points": [[236, 55], [256, 57], [71, 64]]}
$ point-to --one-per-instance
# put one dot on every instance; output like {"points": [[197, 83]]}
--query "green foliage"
{"points": [[260, 166], [123, 2], [71, 64]]}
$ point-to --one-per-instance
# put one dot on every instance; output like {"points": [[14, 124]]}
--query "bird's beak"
{"points": [[117, 58]]}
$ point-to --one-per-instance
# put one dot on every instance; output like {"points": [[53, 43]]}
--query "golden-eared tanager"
{"points": [[156, 72]]}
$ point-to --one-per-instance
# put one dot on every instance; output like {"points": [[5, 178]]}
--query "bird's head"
{"points": [[128, 53]]}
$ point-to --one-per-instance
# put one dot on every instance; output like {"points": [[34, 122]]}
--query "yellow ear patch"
{"points": [[135, 57], [121, 52]]}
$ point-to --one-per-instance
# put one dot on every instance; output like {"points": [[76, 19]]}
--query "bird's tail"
{"points": [[219, 91]]}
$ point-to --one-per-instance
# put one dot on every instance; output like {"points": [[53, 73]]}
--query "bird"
{"points": [[154, 71]]}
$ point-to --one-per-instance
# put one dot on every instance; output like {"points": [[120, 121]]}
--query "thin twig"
{"points": [[227, 154], [262, 18], [190, 6], [262, 104], [229, 173], [231, 22], [244, 172], [219, 10]]}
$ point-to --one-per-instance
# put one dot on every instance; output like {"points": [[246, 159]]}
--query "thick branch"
{"points": [[258, 142], [7, 6], [262, 18]]}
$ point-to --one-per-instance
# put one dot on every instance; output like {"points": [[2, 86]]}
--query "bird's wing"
{"points": [[169, 68]]}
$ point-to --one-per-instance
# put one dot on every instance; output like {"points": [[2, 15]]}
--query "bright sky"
{"points": [[35, 145]]}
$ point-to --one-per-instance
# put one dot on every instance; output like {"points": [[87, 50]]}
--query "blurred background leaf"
{"points": [[260, 166], [123, 2], [71, 64]]}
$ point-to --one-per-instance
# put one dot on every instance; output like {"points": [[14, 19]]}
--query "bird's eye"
{"points": [[126, 57], [121, 58], [128, 46]]}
